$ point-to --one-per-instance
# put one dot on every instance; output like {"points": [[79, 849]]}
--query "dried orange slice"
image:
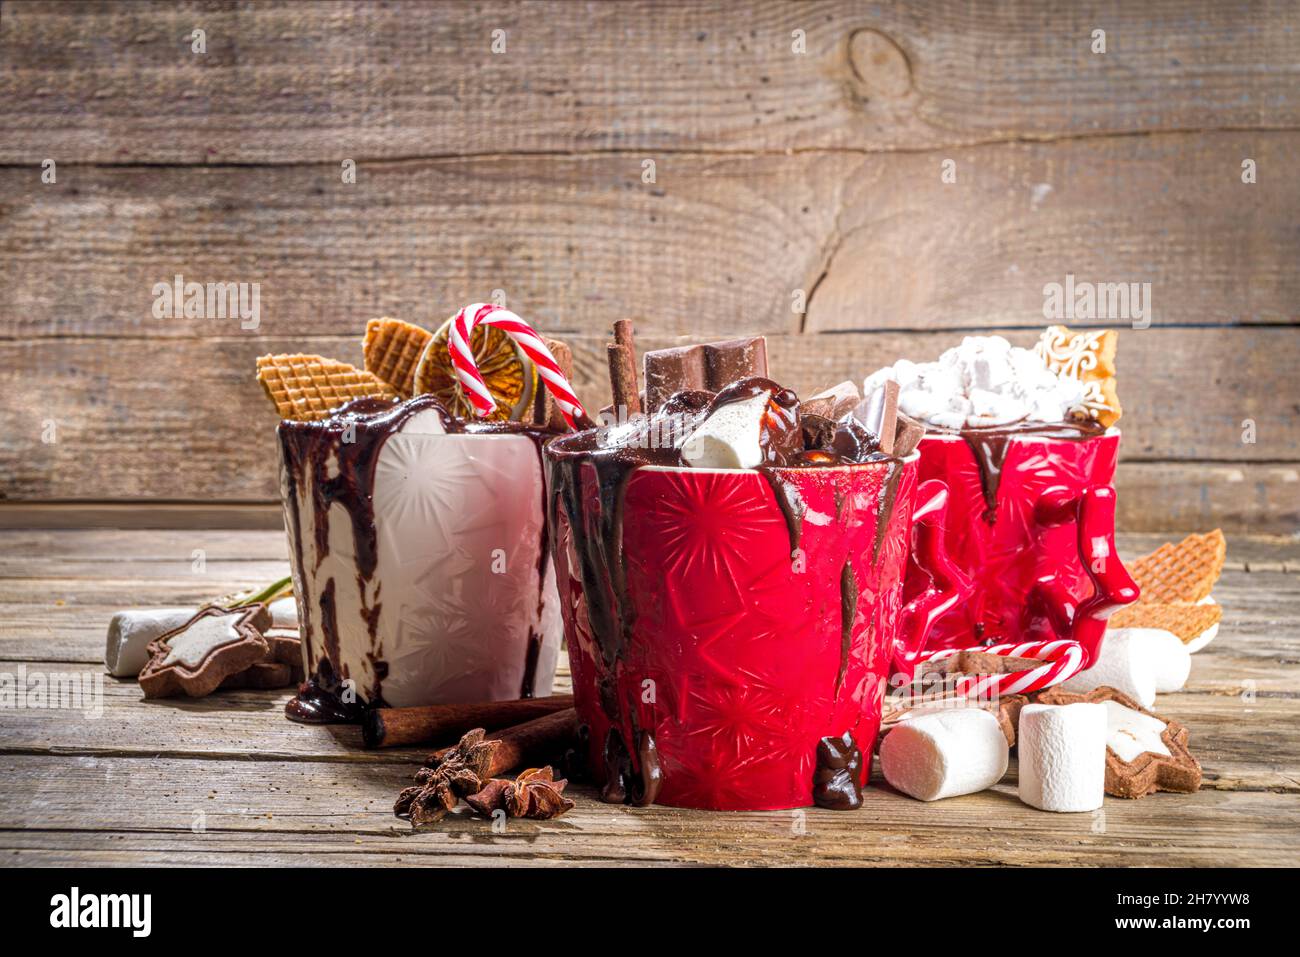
{"points": [[510, 375]]}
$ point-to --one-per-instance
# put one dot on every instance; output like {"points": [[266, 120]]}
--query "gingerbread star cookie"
{"points": [[1088, 356], [212, 646], [1145, 752]]}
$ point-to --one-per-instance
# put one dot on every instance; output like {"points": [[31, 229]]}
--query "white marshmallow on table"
{"points": [[129, 634], [729, 438], [1062, 752], [1173, 661], [945, 753], [1208, 635], [1126, 663]]}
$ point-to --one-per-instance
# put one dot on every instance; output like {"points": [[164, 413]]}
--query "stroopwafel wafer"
{"points": [[1187, 621], [392, 349], [305, 388], [1185, 572]]}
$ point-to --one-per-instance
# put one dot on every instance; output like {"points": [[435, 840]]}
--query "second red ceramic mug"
{"points": [[1031, 521]]}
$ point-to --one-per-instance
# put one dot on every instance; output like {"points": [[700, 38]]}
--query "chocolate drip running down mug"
{"points": [[720, 624]]}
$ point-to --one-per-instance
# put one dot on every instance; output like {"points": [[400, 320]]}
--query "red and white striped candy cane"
{"points": [[462, 357], [1062, 659]]}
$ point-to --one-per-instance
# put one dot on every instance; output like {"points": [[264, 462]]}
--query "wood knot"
{"points": [[879, 65]]}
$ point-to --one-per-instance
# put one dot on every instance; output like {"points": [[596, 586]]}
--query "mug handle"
{"points": [[949, 585], [1093, 513]]}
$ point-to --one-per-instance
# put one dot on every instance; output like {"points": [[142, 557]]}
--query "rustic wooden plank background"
{"points": [[778, 175]]}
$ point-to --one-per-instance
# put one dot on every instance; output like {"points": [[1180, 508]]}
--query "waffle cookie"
{"points": [[1189, 622], [306, 388], [1132, 771], [1181, 573], [1088, 356], [392, 350]]}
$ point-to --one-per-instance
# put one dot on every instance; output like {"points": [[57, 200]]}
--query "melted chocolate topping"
{"points": [[839, 770], [351, 440], [848, 611], [625, 784], [989, 445]]}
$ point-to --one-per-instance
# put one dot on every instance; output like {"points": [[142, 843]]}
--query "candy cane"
{"points": [[1062, 659], [462, 358]]}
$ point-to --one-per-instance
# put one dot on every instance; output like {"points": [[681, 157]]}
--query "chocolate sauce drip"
{"points": [[575, 762], [598, 537], [848, 611], [530, 663], [885, 509], [780, 438], [348, 444], [839, 769], [329, 622], [625, 784], [793, 508], [989, 446], [316, 704]]}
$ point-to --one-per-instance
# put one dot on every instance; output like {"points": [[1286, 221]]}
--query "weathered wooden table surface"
{"points": [[227, 780]]}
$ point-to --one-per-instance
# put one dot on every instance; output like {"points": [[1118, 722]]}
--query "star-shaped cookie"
{"points": [[1135, 766], [202, 653]]}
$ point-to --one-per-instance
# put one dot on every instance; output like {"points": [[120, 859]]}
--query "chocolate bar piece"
{"points": [[708, 366], [907, 436], [833, 403]]}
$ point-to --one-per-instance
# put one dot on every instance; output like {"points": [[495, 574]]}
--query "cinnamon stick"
{"points": [[530, 744], [545, 411], [391, 727], [625, 336], [622, 381]]}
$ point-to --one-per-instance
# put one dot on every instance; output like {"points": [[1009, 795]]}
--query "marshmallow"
{"points": [[985, 381], [1172, 659], [1125, 663], [1208, 635], [729, 438], [945, 753], [129, 634], [1063, 756]]}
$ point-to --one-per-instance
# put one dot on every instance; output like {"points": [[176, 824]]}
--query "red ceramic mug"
{"points": [[733, 634], [1031, 521]]}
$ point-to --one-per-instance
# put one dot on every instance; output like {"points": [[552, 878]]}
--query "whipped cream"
{"points": [[984, 381]]}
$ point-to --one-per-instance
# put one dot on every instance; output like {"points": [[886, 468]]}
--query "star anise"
{"points": [[444, 780], [534, 794]]}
